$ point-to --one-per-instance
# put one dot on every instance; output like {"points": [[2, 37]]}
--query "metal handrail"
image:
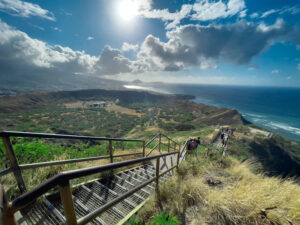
{"points": [[183, 147], [63, 178], [63, 136], [169, 138], [1, 203], [183, 151], [5, 171], [149, 142], [58, 162], [159, 135], [152, 150], [16, 168], [89, 217]]}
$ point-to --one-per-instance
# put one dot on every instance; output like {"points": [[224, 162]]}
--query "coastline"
{"points": [[270, 108]]}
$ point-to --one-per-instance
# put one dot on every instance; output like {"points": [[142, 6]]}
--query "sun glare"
{"points": [[127, 9]]}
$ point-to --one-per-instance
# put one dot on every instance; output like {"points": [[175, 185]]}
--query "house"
{"points": [[99, 104]]}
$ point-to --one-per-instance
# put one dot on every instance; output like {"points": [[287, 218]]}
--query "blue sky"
{"points": [[216, 42]]}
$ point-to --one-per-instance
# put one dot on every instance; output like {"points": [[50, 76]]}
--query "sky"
{"points": [[232, 42]]}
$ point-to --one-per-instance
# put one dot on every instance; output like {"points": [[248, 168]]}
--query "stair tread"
{"points": [[93, 195], [39, 213]]}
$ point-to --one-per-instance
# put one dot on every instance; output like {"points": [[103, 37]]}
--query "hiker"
{"points": [[222, 136], [223, 141], [193, 144], [189, 144], [197, 141]]}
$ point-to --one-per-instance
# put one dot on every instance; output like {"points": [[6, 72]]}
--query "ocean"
{"points": [[274, 108]]}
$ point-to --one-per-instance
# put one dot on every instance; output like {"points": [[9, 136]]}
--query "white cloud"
{"points": [[90, 38], [269, 12], [254, 15], [289, 78], [167, 16], [193, 45], [57, 29], [129, 47], [210, 10], [275, 71], [278, 25], [290, 10], [298, 67], [186, 46], [207, 64], [202, 10], [243, 13], [25, 55], [250, 68], [24, 9]]}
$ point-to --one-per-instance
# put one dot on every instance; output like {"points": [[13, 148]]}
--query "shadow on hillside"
{"points": [[275, 160]]}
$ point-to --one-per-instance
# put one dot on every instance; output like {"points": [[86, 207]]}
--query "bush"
{"points": [[165, 219]]}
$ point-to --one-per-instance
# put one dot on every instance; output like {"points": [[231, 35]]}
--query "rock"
{"points": [[212, 181]]}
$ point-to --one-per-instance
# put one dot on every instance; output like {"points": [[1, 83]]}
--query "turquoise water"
{"points": [[276, 109]]}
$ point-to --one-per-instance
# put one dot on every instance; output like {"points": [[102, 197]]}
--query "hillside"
{"points": [[208, 189], [69, 112], [139, 114]]}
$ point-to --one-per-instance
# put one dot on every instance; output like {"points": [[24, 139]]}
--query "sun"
{"points": [[127, 9]]}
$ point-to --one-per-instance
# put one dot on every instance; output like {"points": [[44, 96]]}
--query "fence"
{"points": [[170, 145], [17, 169], [62, 180]]}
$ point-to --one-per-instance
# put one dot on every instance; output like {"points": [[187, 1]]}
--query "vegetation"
{"points": [[162, 219], [216, 190], [208, 189]]}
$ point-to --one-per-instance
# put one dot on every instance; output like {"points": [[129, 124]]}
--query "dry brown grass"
{"points": [[34, 177], [120, 109], [241, 198]]}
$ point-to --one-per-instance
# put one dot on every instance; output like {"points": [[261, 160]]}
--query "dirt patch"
{"points": [[120, 109], [73, 105], [257, 131]]}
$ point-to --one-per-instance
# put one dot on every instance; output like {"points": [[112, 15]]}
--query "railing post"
{"points": [[144, 148], [178, 158], [6, 216], [14, 163], [67, 202], [110, 148], [159, 142], [157, 174], [168, 145]]}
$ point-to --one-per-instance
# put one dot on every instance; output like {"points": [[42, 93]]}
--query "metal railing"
{"points": [[62, 180], [171, 145], [16, 168], [1, 202]]}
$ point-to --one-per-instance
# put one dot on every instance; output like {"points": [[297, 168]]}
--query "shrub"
{"points": [[165, 219]]}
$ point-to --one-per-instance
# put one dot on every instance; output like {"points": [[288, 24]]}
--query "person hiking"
{"points": [[197, 141], [222, 136]]}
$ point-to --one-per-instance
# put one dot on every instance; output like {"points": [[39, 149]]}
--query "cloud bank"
{"points": [[24, 9], [195, 45], [188, 45], [202, 10]]}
